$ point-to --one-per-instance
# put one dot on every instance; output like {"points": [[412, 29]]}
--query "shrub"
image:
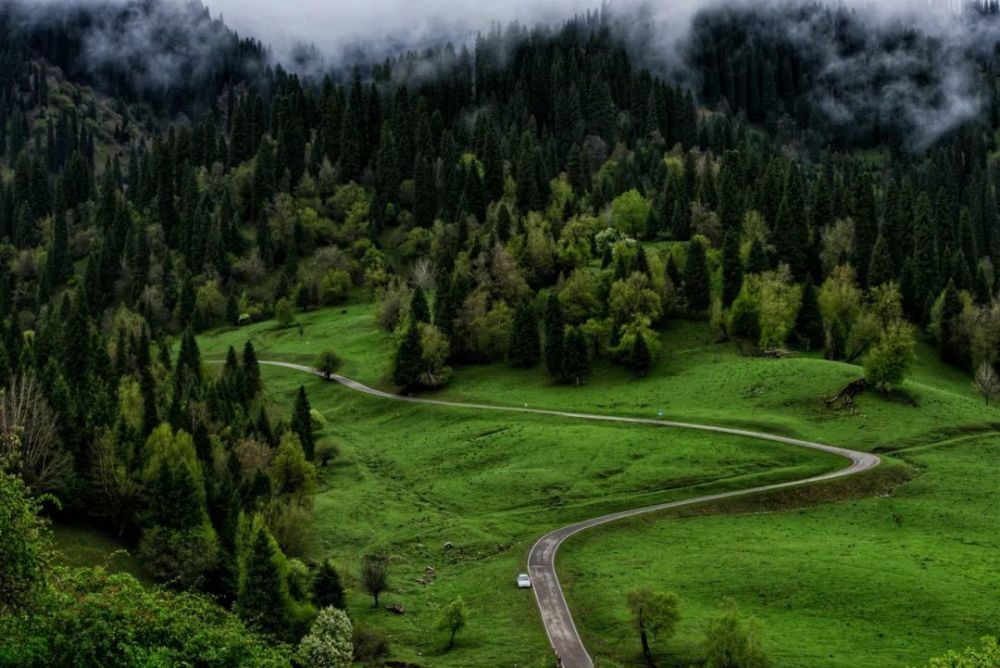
{"points": [[370, 645], [330, 641]]}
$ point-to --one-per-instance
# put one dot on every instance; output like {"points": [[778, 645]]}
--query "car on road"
{"points": [[523, 581]]}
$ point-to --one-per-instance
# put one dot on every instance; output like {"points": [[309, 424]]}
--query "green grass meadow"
{"points": [[412, 479], [880, 576]]}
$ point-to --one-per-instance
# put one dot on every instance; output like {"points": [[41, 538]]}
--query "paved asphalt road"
{"points": [[556, 617]]}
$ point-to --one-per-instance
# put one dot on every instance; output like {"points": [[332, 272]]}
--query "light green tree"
{"points": [[329, 643], [453, 620], [629, 212], [733, 641], [889, 357], [986, 655], [655, 615]]}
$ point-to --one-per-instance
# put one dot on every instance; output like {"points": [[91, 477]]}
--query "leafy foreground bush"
{"points": [[55, 616], [90, 617], [985, 656]]}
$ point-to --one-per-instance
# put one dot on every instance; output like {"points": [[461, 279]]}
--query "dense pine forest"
{"points": [[532, 197]]}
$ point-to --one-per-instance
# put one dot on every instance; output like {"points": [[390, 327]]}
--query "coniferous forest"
{"points": [[542, 200]]}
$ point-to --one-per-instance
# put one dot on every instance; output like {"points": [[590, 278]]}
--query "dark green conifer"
{"points": [[880, 270], [809, 321], [641, 358], [554, 336], [576, 360], [327, 589], [408, 363], [523, 348], [697, 282], [732, 267], [301, 423], [419, 310]]}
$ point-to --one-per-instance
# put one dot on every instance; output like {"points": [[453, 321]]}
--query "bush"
{"points": [[370, 645], [733, 641], [23, 548], [335, 287], [179, 558], [890, 356], [326, 452], [330, 641], [327, 363], [93, 618], [283, 312]]}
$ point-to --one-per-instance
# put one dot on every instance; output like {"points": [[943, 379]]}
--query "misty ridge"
{"points": [[857, 72]]}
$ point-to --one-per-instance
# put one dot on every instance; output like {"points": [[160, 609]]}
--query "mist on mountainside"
{"points": [[906, 73]]}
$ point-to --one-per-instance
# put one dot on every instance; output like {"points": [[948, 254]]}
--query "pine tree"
{"points": [[408, 363], [757, 262], [880, 270], [492, 167], [301, 423], [189, 357], [522, 350], [958, 271], [419, 310], [641, 358], [809, 321], [327, 590], [951, 313], [576, 361], [425, 203], [60, 268], [263, 591], [150, 414], [697, 282], [983, 290], [865, 229], [836, 341], [925, 269], [251, 370], [732, 267], [554, 336], [791, 235]]}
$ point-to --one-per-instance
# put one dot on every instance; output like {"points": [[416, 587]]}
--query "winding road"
{"points": [[556, 616]]}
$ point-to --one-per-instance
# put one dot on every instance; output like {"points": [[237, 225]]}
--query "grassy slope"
{"points": [[411, 479], [85, 546], [423, 476], [881, 581]]}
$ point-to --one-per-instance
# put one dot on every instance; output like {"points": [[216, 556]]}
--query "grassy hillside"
{"points": [[696, 379], [879, 581], [411, 479]]}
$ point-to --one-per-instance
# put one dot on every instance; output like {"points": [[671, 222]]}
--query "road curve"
{"points": [[556, 616]]}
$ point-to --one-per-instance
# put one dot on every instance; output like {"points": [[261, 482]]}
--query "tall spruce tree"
{"points": [[951, 314], [554, 336], [262, 595], [880, 270], [419, 310], [523, 347], [925, 266], [408, 363], [732, 267], [251, 370], [301, 423], [640, 358], [809, 320], [576, 360], [697, 282]]}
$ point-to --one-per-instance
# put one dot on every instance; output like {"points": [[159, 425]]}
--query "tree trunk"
{"points": [[645, 649]]}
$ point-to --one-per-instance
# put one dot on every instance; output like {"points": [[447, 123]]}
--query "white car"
{"points": [[523, 581]]}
